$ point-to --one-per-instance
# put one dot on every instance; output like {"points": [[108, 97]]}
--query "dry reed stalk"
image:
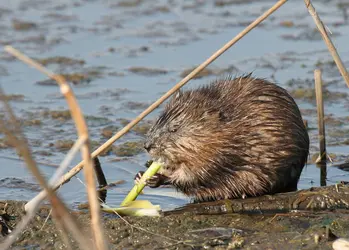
{"points": [[186, 79], [102, 181], [320, 114], [321, 162], [60, 169], [67, 160], [13, 132], [328, 41], [81, 127]]}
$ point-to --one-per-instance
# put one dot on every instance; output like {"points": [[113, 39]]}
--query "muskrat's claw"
{"points": [[138, 177], [154, 182]]}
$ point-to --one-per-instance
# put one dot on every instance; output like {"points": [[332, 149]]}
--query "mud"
{"points": [[312, 230]]}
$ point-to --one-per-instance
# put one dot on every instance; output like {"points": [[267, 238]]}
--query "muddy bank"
{"points": [[303, 230]]}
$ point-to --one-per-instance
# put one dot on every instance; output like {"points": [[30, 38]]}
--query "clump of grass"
{"points": [[62, 115], [23, 25], [108, 131], [147, 71], [131, 148], [60, 60], [64, 145]]}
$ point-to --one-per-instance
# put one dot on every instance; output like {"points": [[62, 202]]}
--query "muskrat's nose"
{"points": [[148, 145]]}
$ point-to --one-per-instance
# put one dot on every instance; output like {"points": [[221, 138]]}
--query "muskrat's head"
{"points": [[185, 133]]}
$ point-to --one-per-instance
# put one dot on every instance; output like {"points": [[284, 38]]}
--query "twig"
{"points": [[129, 126], [328, 41], [102, 181], [48, 216], [85, 150]]}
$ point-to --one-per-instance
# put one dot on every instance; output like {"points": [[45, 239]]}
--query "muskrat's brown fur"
{"points": [[230, 139]]}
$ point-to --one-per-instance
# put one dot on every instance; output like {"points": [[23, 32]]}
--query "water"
{"points": [[168, 35]]}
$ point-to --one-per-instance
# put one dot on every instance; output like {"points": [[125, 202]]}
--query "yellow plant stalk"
{"points": [[134, 208], [138, 187], [141, 207]]}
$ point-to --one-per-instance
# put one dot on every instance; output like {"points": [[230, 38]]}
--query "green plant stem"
{"points": [[132, 195]]}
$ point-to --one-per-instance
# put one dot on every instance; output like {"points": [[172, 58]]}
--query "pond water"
{"points": [[123, 55]]}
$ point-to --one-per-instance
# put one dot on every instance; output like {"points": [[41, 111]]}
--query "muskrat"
{"points": [[233, 138]]}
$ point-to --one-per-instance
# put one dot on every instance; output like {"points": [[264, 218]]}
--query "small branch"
{"points": [[129, 126], [328, 41], [102, 181]]}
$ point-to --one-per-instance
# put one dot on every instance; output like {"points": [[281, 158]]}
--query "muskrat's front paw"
{"points": [[154, 182]]}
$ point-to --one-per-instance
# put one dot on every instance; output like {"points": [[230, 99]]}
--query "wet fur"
{"points": [[230, 139]]}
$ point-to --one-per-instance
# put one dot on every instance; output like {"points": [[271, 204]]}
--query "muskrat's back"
{"points": [[230, 139]]}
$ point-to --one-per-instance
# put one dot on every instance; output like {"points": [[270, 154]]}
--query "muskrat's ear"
{"points": [[222, 116], [218, 115]]}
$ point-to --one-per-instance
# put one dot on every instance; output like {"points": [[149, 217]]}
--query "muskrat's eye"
{"points": [[173, 128]]}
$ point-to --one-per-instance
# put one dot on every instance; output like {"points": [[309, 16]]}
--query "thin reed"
{"points": [[320, 114], [321, 162], [321, 27]]}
